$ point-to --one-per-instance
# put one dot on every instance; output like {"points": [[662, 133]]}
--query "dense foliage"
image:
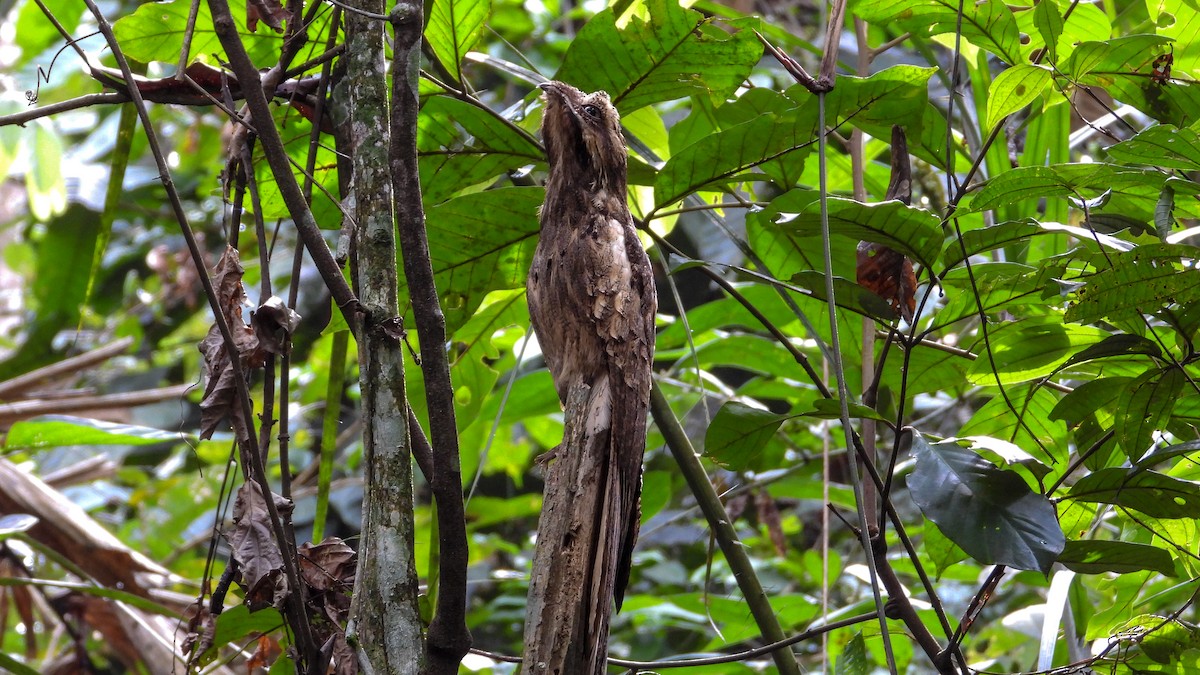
{"points": [[1032, 431]]}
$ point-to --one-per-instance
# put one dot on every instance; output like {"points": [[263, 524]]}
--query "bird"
{"points": [[592, 303]]}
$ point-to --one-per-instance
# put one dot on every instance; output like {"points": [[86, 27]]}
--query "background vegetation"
{"points": [[1040, 511]]}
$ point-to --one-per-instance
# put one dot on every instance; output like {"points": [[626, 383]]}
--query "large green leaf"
{"points": [[155, 32], [991, 513], [1099, 557], [461, 145], [909, 230], [897, 95], [738, 433], [1142, 280], [453, 28], [1027, 423], [1032, 349], [1154, 494], [659, 53], [989, 25], [1014, 89], [1163, 145], [44, 182], [1144, 408], [479, 243], [1133, 190]]}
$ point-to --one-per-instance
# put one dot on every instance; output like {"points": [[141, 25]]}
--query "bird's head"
{"points": [[583, 138]]}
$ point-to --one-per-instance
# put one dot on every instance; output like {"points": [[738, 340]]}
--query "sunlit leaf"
{"points": [[1014, 89], [453, 28], [1150, 492]]}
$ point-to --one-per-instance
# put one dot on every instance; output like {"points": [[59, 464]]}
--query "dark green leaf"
{"points": [[738, 433], [1161, 455], [237, 623], [1097, 557], [1088, 398], [991, 513], [848, 295], [1152, 493], [653, 58]]}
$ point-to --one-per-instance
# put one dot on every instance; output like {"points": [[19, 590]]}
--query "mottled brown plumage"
{"points": [[592, 301]]}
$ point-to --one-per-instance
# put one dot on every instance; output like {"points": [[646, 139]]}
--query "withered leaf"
{"points": [[220, 392], [270, 12], [255, 549], [889, 274], [273, 322], [327, 572]]}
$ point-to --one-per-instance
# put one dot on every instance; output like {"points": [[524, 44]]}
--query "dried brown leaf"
{"points": [[220, 393], [273, 323], [270, 12], [889, 274], [264, 655], [255, 549]]}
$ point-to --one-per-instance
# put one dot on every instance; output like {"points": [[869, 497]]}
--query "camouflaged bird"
{"points": [[592, 301]]}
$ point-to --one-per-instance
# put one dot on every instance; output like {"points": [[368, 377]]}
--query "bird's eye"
{"points": [[591, 111]]}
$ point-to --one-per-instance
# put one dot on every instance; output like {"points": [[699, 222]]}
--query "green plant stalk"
{"points": [[329, 424], [710, 504]]}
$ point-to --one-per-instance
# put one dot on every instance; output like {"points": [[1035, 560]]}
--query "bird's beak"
{"points": [[555, 89]]}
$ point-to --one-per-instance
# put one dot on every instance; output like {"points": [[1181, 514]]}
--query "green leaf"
{"points": [[992, 514], [653, 56], [1144, 407], [1142, 280], [479, 243], [1014, 89], [1132, 189], [1163, 639], [909, 230], [1154, 494], [1027, 424], [1098, 557], [53, 431], [453, 28], [155, 32], [1049, 21], [853, 659], [738, 433], [989, 25], [237, 623], [831, 409], [461, 145], [11, 664], [1164, 146], [847, 293], [34, 33], [1029, 350], [991, 238], [897, 95], [44, 182]]}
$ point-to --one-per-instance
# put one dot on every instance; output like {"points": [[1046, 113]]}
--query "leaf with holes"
{"points": [[1154, 494]]}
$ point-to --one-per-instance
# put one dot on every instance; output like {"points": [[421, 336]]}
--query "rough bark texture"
{"points": [[385, 615], [592, 301], [557, 611]]}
